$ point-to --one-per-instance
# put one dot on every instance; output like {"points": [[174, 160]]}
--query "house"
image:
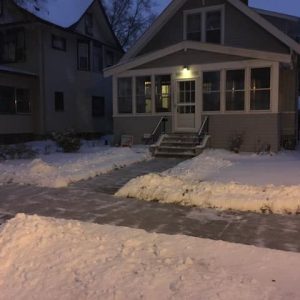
{"points": [[219, 59], [51, 67]]}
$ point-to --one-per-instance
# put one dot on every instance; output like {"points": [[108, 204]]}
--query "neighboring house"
{"points": [[215, 58], [51, 67]]}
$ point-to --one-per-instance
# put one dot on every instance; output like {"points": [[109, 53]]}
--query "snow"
{"points": [[64, 13], [52, 169], [224, 180], [43, 258]]}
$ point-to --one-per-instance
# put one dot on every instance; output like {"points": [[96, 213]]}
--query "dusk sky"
{"points": [[291, 7]]}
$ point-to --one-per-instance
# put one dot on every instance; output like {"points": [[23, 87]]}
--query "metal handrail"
{"points": [[162, 119], [203, 125]]}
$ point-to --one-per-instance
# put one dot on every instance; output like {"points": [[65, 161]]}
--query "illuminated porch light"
{"points": [[186, 72]]}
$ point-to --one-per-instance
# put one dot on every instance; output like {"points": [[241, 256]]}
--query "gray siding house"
{"points": [[219, 59], [51, 68]]}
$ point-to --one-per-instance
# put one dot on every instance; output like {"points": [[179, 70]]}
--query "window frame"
{"points": [[57, 37], [220, 91], [203, 11], [132, 79], [144, 95]]}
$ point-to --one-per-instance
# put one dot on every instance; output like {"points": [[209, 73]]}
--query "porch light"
{"points": [[186, 72], [185, 69]]}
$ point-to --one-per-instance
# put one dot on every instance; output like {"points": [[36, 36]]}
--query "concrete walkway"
{"points": [[86, 201]]}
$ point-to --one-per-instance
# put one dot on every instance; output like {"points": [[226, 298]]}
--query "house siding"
{"points": [[236, 25], [257, 130], [137, 126]]}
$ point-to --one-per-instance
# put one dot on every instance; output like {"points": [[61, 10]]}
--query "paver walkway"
{"points": [[85, 202]]}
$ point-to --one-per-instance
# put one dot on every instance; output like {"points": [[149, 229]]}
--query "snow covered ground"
{"points": [[53, 169], [224, 180], [43, 258]]}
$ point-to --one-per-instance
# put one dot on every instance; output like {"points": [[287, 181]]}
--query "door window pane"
{"points": [[194, 27], [211, 91], [213, 27], [143, 94], [163, 93], [260, 89], [125, 95], [235, 90]]}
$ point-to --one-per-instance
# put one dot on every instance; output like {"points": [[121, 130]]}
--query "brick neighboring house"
{"points": [[219, 59], [51, 68]]}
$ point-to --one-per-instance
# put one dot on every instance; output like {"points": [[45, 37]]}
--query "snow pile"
{"points": [[63, 13], [60, 169], [45, 258], [222, 180]]}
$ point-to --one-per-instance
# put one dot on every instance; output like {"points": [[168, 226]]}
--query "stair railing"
{"points": [[203, 131], [159, 129]]}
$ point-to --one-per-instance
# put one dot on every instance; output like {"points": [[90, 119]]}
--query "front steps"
{"points": [[185, 145]]}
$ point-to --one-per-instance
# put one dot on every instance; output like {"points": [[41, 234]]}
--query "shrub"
{"points": [[67, 140], [236, 142], [18, 151]]}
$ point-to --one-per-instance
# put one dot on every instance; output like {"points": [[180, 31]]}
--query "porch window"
{"points": [[14, 100], [194, 27], [125, 95], [23, 105], [260, 89], [143, 94], [163, 93], [235, 90], [83, 55], [211, 91], [213, 27]]}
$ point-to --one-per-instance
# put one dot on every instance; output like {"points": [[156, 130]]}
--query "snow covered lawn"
{"points": [[224, 180], [44, 258], [60, 169]]}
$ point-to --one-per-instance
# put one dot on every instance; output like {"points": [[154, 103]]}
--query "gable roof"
{"points": [[173, 7], [63, 13]]}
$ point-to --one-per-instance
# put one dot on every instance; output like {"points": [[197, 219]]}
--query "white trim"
{"points": [[240, 52], [176, 4], [203, 11]]}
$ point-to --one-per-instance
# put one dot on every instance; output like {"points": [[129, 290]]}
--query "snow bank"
{"points": [[60, 169], [223, 180], [43, 258]]}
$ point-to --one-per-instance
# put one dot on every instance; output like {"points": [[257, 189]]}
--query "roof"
{"points": [[63, 13], [15, 71], [173, 7]]}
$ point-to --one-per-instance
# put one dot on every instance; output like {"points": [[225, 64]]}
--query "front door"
{"points": [[185, 106]]}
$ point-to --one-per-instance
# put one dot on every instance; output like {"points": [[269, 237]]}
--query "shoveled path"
{"points": [[86, 201]]}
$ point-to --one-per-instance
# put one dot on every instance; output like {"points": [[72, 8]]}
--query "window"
{"points": [[163, 93], [260, 89], [89, 24], [14, 100], [97, 57], [204, 26], [213, 27], [125, 95], [98, 106], [23, 105], [143, 95], [58, 43], [194, 25], [109, 58], [211, 91], [59, 101], [83, 55], [12, 46], [235, 90]]}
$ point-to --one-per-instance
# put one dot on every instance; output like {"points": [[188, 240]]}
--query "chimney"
{"points": [[246, 2]]}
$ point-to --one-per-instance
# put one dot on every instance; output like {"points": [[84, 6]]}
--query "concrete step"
{"points": [[179, 154], [175, 148]]}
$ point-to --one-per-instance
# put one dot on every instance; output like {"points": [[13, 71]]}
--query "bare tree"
{"points": [[130, 18]]}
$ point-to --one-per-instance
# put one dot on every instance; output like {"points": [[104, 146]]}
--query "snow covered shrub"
{"points": [[18, 151], [236, 142], [67, 140]]}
